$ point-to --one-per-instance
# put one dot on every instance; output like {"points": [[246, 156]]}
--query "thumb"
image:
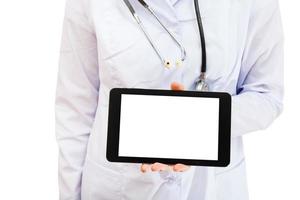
{"points": [[177, 86]]}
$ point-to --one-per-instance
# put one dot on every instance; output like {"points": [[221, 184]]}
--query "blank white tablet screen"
{"points": [[172, 127]]}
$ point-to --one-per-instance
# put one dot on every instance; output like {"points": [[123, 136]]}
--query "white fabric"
{"points": [[102, 48]]}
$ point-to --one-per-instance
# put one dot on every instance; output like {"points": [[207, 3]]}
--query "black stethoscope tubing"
{"points": [[202, 36]]}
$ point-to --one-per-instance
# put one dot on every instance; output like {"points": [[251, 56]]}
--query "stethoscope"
{"points": [[200, 83]]}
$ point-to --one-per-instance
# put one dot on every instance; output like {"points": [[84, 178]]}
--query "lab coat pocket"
{"points": [[135, 65], [126, 52], [100, 182], [232, 184]]}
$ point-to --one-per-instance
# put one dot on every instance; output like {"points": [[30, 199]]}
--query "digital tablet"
{"points": [[188, 127]]}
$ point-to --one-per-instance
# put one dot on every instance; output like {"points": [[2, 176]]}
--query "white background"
{"points": [[30, 34], [147, 120]]}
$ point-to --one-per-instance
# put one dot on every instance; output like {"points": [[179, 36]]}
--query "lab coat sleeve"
{"points": [[76, 96], [260, 87]]}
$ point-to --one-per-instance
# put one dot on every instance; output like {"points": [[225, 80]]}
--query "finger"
{"points": [[145, 167], [180, 168], [177, 86], [159, 167]]}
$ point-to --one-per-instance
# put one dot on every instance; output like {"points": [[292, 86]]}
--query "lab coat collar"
{"points": [[166, 10], [185, 9], [173, 2], [174, 11], [178, 10]]}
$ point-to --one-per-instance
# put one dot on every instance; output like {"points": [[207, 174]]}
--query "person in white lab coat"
{"points": [[102, 48]]}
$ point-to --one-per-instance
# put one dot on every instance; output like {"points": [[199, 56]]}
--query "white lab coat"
{"points": [[103, 47]]}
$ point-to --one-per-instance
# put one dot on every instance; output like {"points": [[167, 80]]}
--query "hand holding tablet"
{"points": [[169, 126]]}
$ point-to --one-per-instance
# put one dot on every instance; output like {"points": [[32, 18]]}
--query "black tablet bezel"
{"points": [[113, 128]]}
